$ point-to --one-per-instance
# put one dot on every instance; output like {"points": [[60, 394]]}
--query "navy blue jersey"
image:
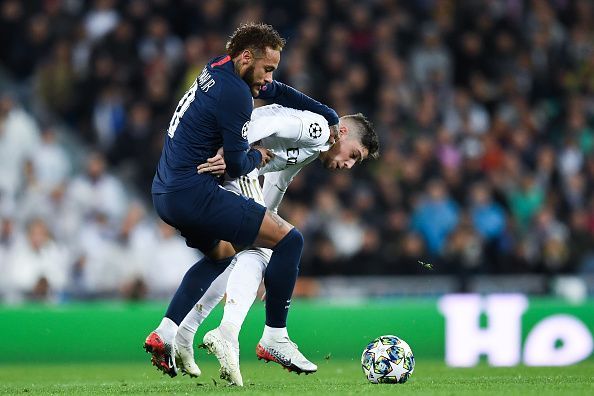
{"points": [[209, 115], [215, 112]]}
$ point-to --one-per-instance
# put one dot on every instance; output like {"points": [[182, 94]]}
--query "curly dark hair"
{"points": [[254, 36], [366, 133]]}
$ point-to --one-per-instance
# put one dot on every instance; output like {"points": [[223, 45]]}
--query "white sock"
{"points": [[184, 336], [274, 333], [167, 329], [243, 285], [214, 294]]}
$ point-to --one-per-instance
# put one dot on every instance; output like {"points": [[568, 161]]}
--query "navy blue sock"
{"points": [[280, 278], [195, 283]]}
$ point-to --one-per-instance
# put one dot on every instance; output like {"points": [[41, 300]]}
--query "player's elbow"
{"points": [[236, 162], [234, 170], [241, 163]]}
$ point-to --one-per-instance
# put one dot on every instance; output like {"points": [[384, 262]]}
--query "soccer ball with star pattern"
{"points": [[388, 360]]}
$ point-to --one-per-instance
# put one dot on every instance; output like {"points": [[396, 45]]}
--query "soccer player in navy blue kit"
{"points": [[216, 112]]}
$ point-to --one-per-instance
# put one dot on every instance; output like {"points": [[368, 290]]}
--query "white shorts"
{"points": [[248, 186]]}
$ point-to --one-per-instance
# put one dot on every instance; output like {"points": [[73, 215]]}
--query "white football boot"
{"points": [[226, 351], [286, 353], [184, 358]]}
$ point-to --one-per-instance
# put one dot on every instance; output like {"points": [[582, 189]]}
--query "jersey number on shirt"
{"points": [[181, 108]]}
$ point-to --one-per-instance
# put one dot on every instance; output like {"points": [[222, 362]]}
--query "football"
{"points": [[388, 360]]}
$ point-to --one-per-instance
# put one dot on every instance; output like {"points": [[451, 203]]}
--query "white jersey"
{"points": [[295, 137]]}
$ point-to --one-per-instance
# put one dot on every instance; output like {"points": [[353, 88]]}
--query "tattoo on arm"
{"points": [[277, 219]]}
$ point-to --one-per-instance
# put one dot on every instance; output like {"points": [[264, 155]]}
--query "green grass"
{"points": [[336, 377]]}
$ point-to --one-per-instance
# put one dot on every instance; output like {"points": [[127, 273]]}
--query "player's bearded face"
{"points": [[259, 72], [250, 78]]}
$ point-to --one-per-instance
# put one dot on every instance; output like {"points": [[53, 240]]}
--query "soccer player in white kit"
{"points": [[296, 138]]}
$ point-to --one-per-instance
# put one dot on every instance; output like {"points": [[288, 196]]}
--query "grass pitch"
{"points": [[335, 377]]}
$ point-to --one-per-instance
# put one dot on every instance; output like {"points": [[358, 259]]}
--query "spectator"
{"points": [[7, 237], [526, 200], [109, 117], [168, 258], [431, 62], [488, 217], [346, 234], [435, 216], [160, 43], [101, 19], [19, 138], [51, 163], [493, 105], [56, 81], [96, 192], [37, 266]]}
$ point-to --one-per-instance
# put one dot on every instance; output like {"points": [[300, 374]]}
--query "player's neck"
{"points": [[237, 65]]}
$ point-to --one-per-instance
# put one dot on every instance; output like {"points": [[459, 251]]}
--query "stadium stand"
{"points": [[485, 110]]}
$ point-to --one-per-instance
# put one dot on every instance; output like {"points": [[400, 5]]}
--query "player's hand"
{"points": [[334, 137], [267, 155], [215, 165]]}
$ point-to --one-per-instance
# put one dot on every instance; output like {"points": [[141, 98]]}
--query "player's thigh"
{"points": [[256, 258], [222, 250], [213, 248], [214, 215], [262, 254], [273, 229], [178, 210]]}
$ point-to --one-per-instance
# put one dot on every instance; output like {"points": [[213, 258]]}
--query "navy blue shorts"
{"points": [[207, 213]]}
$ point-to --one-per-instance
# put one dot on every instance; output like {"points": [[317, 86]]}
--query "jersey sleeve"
{"points": [[287, 96], [307, 131], [314, 132], [288, 127], [241, 163], [275, 186], [233, 112], [234, 109]]}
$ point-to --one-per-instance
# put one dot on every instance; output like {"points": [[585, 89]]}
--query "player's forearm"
{"points": [[241, 163], [289, 97]]}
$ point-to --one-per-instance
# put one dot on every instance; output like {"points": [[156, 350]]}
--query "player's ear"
{"points": [[246, 56], [343, 131]]}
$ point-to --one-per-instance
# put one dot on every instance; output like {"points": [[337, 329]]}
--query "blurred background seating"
{"points": [[485, 111]]}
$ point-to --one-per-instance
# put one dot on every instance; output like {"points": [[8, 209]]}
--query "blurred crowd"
{"points": [[484, 108], [76, 234]]}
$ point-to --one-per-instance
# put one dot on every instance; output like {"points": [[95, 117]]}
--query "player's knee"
{"points": [[294, 238], [272, 230], [299, 237]]}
